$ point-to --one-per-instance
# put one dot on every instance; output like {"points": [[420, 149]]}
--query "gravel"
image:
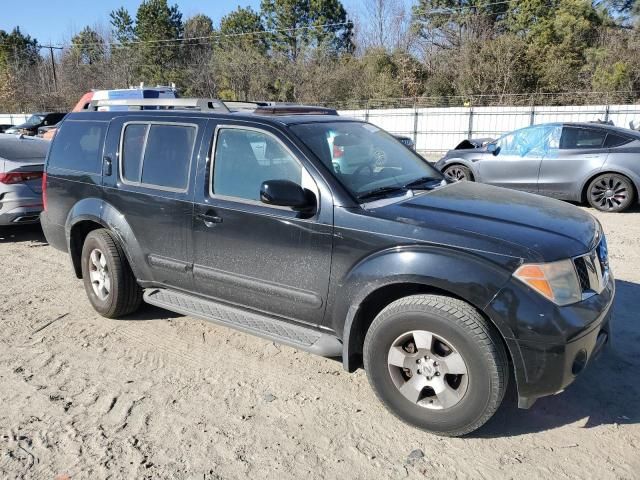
{"points": [[160, 395]]}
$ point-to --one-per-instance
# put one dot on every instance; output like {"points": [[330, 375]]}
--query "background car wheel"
{"points": [[610, 192], [108, 280], [436, 364], [458, 173]]}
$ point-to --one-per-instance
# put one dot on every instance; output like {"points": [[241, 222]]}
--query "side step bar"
{"points": [[302, 338]]}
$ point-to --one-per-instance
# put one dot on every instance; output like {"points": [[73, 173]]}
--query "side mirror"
{"points": [[493, 149], [284, 193]]}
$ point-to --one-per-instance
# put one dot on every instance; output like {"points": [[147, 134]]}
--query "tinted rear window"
{"points": [[573, 137], [168, 155], [78, 146]]}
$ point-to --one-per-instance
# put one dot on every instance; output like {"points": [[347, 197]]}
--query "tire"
{"points": [[458, 173], [455, 325], [120, 293], [610, 192]]}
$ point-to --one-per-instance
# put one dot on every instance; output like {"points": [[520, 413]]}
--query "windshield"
{"points": [[34, 120], [366, 160]]}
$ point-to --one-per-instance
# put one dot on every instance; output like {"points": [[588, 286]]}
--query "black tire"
{"points": [[124, 294], [458, 173], [610, 192], [474, 339]]}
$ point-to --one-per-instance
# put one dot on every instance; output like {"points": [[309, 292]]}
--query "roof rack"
{"points": [[201, 104]]}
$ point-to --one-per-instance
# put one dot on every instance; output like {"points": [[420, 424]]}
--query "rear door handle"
{"points": [[209, 220]]}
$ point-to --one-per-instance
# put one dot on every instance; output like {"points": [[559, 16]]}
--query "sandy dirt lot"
{"points": [[160, 395]]}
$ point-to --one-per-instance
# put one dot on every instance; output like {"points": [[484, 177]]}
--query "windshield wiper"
{"points": [[378, 192], [420, 183]]}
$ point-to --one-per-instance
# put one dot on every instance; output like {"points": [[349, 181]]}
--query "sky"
{"points": [[56, 21]]}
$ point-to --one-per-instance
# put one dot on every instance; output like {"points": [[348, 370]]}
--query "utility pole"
{"points": [[53, 63]]}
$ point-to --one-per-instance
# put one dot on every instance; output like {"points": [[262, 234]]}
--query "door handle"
{"points": [[106, 169], [209, 219]]}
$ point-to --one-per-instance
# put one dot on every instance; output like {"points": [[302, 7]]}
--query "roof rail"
{"points": [[294, 109], [251, 105], [201, 104]]}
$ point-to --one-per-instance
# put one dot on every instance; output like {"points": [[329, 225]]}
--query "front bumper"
{"points": [[550, 345]]}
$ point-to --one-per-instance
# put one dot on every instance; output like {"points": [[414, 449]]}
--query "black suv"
{"points": [[441, 291]]}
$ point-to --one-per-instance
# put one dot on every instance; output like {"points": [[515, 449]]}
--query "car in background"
{"points": [[159, 91], [5, 127], [406, 141], [21, 166], [35, 121], [581, 162]]}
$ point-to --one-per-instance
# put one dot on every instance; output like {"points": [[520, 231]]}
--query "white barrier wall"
{"points": [[13, 118], [436, 130]]}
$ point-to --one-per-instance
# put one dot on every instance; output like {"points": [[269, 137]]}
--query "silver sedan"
{"points": [[21, 165], [581, 162]]}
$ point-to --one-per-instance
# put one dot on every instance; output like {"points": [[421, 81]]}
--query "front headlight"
{"points": [[557, 281]]}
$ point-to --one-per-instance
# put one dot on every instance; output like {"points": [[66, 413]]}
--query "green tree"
{"points": [[297, 24], [449, 24], [87, 47], [243, 27], [157, 27], [17, 49], [123, 27]]}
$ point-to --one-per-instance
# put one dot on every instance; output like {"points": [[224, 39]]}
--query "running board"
{"points": [[302, 338]]}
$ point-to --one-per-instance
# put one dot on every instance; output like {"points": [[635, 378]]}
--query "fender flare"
{"points": [[440, 269], [101, 212]]}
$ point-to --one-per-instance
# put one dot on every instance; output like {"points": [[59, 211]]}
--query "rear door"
{"points": [[516, 162], [151, 180], [579, 152]]}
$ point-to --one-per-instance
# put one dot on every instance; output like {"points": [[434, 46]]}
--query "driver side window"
{"points": [[245, 158], [530, 142]]}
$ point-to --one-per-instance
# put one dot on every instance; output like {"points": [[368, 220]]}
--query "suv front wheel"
{"points": [[108, 280], [436, 364]]}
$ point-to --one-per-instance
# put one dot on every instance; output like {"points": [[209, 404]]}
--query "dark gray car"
{"points": [[581, 162]]}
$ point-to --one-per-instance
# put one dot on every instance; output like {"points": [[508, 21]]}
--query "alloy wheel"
{"points": [[610, 192], [457, 174], [428, 370], [99, 274]]}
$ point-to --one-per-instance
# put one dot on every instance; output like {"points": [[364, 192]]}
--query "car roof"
{"points": [[604, 126], [239, 115]]}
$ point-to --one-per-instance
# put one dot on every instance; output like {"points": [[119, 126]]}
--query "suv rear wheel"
{"points": [[108, 280], [436, 364]]}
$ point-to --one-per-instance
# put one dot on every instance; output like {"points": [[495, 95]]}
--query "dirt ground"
{"points": [[160, 395]]}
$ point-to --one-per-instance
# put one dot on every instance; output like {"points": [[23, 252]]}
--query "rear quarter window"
{"points": [[614, 140], [77, 146]]}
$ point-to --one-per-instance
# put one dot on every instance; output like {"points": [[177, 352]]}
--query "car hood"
{"points": [[507, 222]]}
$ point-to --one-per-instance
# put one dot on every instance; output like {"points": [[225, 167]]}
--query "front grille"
{"points": [[583, 273], [593, 269]]}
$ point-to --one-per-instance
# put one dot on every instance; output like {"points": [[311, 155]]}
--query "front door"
{"points": [[271, 259]]}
